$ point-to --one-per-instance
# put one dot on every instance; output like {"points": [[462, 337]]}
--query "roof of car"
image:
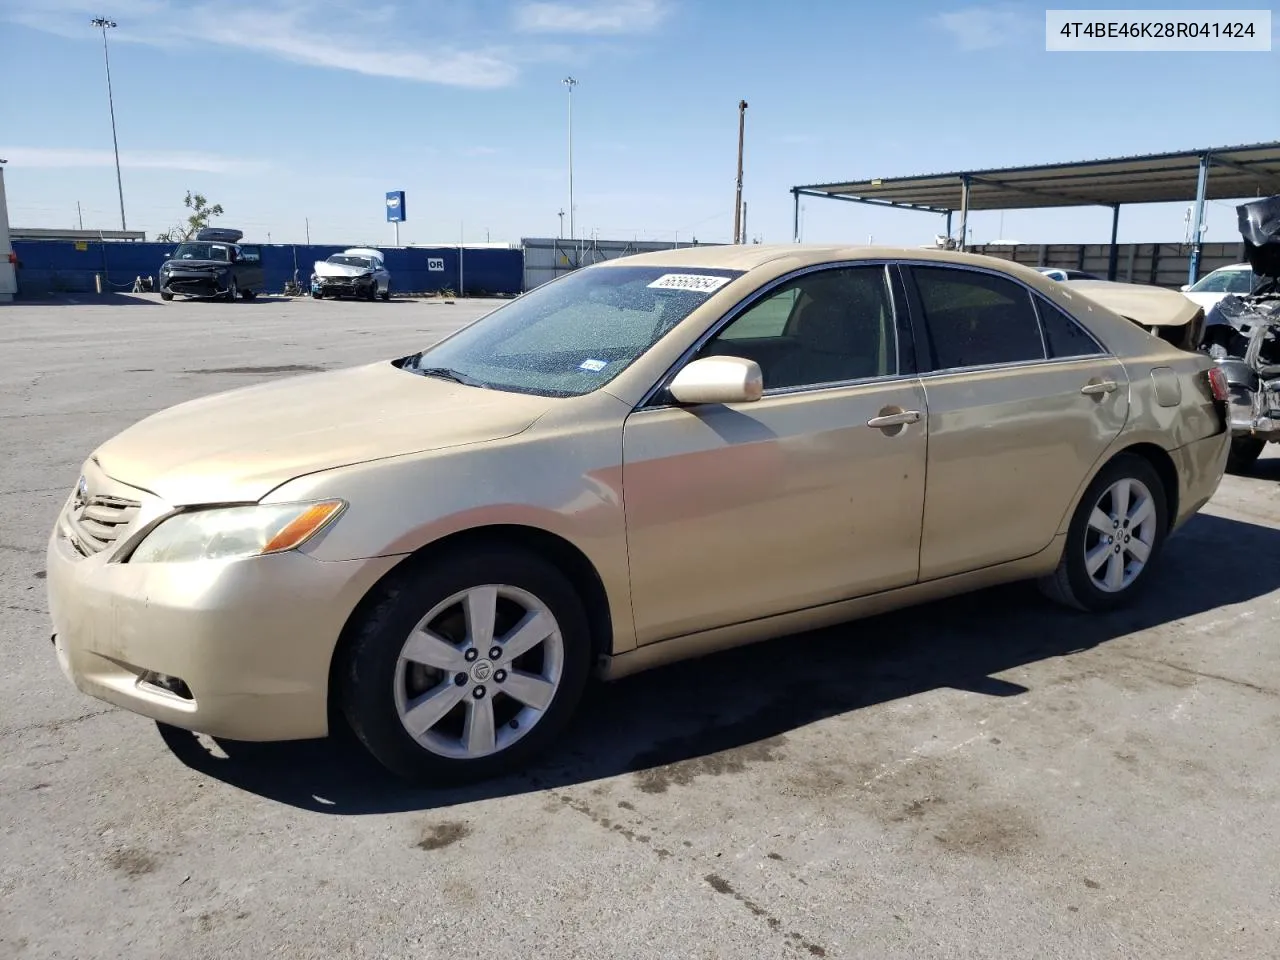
{"points": [[751, 256]]}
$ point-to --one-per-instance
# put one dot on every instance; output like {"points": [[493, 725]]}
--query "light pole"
{"points": [[102, 24], [739, 215], [570, 83]]}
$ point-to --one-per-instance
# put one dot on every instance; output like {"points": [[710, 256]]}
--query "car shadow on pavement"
{"points": [[721, 712]]}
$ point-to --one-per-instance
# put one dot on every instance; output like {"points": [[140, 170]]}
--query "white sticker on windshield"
{"points": [[595, 366], [693, 282]]}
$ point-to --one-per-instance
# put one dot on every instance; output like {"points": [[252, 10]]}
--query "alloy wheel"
{"points": [[1120, 535], [479, 671]]}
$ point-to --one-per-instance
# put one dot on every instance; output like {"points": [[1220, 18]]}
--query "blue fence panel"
{"points": [[65, 266]]}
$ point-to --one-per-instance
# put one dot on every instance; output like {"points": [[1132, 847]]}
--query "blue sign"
{"points": [[395, 206]]}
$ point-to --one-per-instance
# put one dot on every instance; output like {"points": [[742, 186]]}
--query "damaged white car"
{"points": [[357, 272]]}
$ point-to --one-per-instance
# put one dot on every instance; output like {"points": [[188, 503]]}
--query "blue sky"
{"points": [[283, 110]]}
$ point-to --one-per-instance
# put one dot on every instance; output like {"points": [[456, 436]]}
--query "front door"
{"points": [[249, 271], [1022, 403], [736, 512]]}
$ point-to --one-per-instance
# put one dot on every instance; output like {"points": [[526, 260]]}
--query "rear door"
{"points": [[1022, 402]]}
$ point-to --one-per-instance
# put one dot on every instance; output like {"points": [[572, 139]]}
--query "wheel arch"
{"points": [[566, 557], [1155, 455]]}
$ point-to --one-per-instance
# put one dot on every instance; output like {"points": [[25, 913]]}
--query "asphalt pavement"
{"points": [[989, 776]]}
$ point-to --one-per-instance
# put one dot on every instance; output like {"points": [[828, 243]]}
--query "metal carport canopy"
{"points": [[1213, 173]]}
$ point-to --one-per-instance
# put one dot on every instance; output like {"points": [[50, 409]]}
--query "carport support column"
{"points": [[964, 211], [948, 224], [1113, 257], [795, 216], [1202, 183]]}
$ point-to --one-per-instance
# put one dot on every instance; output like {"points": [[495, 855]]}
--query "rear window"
{"points": [[1063, 335], [977, 319]]}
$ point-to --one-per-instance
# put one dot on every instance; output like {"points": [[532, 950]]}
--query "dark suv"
{"points": [[215, 265]]}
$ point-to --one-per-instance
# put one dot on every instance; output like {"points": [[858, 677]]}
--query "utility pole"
{"points": [[307, 221], [737, 200], [570, 83], [744, 222], [103, 24], [561, 215], [79, 215]]}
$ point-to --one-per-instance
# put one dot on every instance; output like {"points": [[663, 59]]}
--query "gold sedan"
{"points": [[645, 460]]}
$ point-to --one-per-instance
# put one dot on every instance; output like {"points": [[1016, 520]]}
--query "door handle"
{"points": [[1098, 387], [894, 419]]}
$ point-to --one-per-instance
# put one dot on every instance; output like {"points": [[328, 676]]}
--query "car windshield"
{"points": [[1225, 281], [349, 261], [573, 335], [202, 251]]}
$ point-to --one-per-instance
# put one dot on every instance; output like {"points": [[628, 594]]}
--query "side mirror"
{"points": [[1185, 287], [718, 380]]}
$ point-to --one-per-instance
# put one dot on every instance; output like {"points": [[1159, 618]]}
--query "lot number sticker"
{"points": [[435, 264], [693, 282]]}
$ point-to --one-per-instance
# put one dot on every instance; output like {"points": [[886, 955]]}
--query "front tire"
{"points": [[468, 667], [1244, 452], [166, 296], [1115, 536], [232, 290]]}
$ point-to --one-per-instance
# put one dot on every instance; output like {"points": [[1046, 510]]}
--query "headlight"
{"points": [[224, 533]]}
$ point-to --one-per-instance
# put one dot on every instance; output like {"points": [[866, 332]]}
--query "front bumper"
{"points": [[251, 639], [194, 285], [348, 286]]}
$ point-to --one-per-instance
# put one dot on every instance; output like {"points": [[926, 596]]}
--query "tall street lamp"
{"points": [[102, 24], [570, 83]]}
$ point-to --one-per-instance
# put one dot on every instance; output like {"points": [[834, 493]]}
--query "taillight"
{"points": [[1218, 384]]}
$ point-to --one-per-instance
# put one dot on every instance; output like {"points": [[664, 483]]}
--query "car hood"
{"points": [[239, 445], [1145, 305], [324, 268]]}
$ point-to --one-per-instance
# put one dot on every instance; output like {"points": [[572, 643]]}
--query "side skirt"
{"points": [[722, 638]]}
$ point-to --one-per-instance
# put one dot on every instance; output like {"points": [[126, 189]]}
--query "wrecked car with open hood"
{"points": [[1242, 334], [356, 272]]}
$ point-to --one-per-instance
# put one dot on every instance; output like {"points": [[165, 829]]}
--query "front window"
{"points": [[829, 326], [203, 251], [574, 335]]}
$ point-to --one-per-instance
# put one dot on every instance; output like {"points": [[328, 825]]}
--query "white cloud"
{"points": [[73, 157], [334, 34], [984, 27], [603, 16]]}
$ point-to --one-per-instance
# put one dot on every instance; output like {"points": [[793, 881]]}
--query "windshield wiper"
{"points": [[446, 373]]}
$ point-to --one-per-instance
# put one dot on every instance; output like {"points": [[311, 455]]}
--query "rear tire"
{"points": [[1114, 538], [1244, 452], [247, 294], [386, 294], [476, 715]]}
